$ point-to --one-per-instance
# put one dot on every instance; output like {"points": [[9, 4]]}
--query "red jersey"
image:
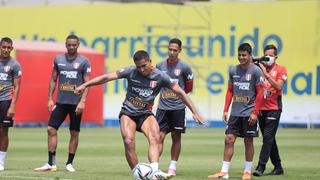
{"points": [[272, 98]]}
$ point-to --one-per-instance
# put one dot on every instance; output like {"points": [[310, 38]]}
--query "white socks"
{"points": [[173, 164], [248, 166], [154, 166], [225, 166], [2, 157]]}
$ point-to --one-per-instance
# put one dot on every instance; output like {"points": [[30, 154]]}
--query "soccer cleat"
{"points": [[172, 171], [218, 175], [159, 175], [70, 168], [246, 175], [46, 167], [1, 167]]}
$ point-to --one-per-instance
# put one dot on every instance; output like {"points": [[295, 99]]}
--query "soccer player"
{"points": [[144, 83], [72, 69], [10, 77], [274, 78], [245, 90], [171, 111]]}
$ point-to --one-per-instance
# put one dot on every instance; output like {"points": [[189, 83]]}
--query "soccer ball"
{"points": [[142, 171]]}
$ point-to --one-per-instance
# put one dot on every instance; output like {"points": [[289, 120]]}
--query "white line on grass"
{"points": [[25, 177]]}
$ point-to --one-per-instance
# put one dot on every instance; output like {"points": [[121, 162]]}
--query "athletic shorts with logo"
{"points": [[5, 121], [240, 127], [60, 113], [138, 119], [171, 120]]}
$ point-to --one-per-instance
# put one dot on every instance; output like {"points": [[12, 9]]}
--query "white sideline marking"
{"points": [[25, 177]]}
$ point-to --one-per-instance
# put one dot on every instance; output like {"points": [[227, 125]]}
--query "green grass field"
{"points": [[101, 155]]}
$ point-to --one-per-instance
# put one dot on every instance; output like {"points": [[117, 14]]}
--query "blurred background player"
{"points": [[274, 78], [10, 78], [245, 90], [72, 69], [144, 84], [171, 111]]}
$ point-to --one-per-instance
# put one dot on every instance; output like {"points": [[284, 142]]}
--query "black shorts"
{"points": [[171, 120], [60, 113], [240, 127], [5, 121], [138, 119]]}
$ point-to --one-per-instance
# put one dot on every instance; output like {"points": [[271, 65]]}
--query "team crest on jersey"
{"points": [[76, 65], [177, 72], [153, 84], [6, 68], [248, 77]]}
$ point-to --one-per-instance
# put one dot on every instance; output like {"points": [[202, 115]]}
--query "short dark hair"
{"points": [[6, 39], [271, 46], [141, 54], [245, 47], [176, 41], [72, 36]]}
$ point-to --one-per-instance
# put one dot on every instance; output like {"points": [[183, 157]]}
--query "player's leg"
{"points": [[57, 117], [177, 127], [150, 128], [75, 121], [234, 129], [128, 132], [162, 119], [4, 142], [5, 123], [249, 131]]}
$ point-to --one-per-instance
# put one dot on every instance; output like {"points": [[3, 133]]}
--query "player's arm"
{"points": [[97, 81], [16, 89], [257, 104], [187, 101], [81, 104], [52, 87], [227, 102]]}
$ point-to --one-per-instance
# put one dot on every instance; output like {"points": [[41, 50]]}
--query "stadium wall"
{"points": [[211, 33]]}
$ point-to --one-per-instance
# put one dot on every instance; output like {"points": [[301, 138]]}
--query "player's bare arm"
{"points": [[96, 81], [16, 89], [52, 87], [187, 101], [81, 104]]}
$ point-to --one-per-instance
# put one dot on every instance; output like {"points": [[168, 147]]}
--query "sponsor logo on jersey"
{"points": [[67, 87], [248, 77], [76, 65], [142, 92], [169, 95], [60, 64], [242, 99], [6, 68], [153, 84], [242, 85], [177, 72], [190, 76], [3, 76], [2, 87], [235, 76], [70, 74], [137, 102]]}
